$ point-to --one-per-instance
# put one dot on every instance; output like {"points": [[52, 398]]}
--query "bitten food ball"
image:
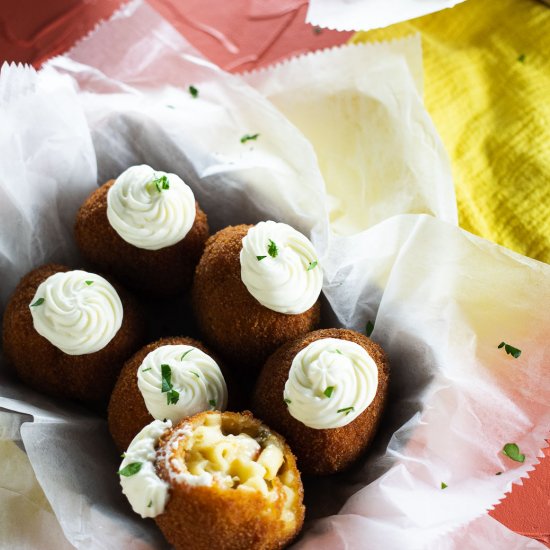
{"points": [[68, 333], [172, 378], [215, 480], [255, 288], [325, 392], [146, 228]]}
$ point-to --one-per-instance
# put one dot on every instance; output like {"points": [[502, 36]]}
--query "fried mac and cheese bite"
{"points": [[325, 392], [256, 287], [172, 378], [68, 332], [216, 480], [146, 228]]}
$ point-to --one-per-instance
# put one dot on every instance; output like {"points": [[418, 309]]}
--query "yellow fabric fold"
{"points": [[487, 88]]}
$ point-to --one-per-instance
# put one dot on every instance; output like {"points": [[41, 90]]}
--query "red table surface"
{"points": [[264, 32]]}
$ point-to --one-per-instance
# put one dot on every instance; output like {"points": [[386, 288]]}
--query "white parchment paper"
{"points": [[363, 15], [441, 299]]}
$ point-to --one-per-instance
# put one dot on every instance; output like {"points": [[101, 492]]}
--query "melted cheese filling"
{"points": [[233, 459]]}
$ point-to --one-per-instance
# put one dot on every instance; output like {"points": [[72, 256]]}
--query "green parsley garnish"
{"points": [[347, 410], [521, 58], [38, 302], [328, 391], [148, 368], [123, 455], [272, 249], [172, 397], [369, 328], [166, 373], [89, 282], [130, 469], [510, 350], [193, 91], [311, 265], [287, 401], [150, 504], [184, 354], [260, 258], [511, 450], [212, 403], [195, 373], [249, 137], [161, 184], [338, 351], [443, 485]]}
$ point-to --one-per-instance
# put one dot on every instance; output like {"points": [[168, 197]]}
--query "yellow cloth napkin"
{"points": [[487, 88]]}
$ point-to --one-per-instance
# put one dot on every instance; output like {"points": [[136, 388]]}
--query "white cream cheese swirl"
{"points": [[330, 383], [279, 267], [194, 375], [148, 214], [144, 489], [78, 312]]}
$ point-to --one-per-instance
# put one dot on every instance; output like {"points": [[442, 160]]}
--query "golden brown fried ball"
{"points": [[319, 451], [230, 319], [88, 378], [128, 413], [262, 509], [164, 271]]}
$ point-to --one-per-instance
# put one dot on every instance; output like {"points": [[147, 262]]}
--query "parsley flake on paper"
{"points": [[38, 302], [443, 485], [193, 91], [346, 410], [328, 391], [249, 137], [131, 469], [511, 450], [272, 249], [369, 328], [510, 350], [521, 58]]}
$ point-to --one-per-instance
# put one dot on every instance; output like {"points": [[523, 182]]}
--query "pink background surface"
{"points": [[238, 35]]}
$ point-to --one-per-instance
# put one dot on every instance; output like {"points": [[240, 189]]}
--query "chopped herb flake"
{"points": [[160, 184], [511, 450], [521, 58], [195, 373], [510, 350], [312, 265], [193, 91], [328, 391], [369, 328], [260, 258], [166, 373], [184, 354], [443, 485], [38, 302], [148, 368], [338, 352], [172, 397], [212, 403], [287, 401], [272, 249], [249, 137], [347, 410], [123, 455], [131, 469], [150, 504], [89, 283]]}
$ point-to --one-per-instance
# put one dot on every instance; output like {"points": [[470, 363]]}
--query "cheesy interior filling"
{"points": [[238, 457]]}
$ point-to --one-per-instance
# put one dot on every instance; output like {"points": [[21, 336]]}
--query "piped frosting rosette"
{"points": [[280, 268], [76, 311], [150, 209], [330, 383], [177, 381]]}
